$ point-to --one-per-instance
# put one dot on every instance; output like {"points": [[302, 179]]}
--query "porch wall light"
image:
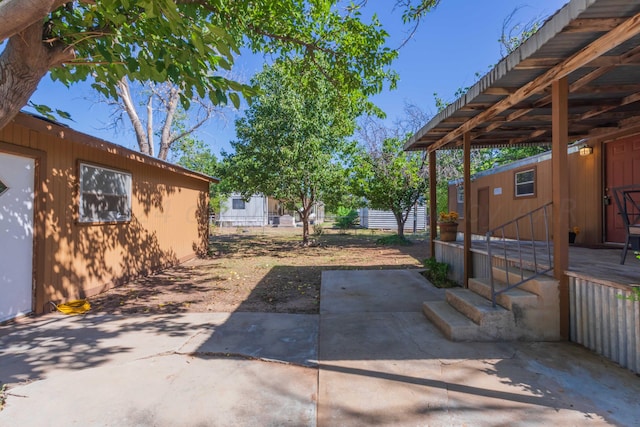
{"points": [[586, 150]]}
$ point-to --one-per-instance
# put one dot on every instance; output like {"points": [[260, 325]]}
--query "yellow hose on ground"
{"points": [[78, 306]]}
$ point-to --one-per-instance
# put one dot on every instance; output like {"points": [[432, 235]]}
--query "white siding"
{"points": [[378, 219], [253, 214]]}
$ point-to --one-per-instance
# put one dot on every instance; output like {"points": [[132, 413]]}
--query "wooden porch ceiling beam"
{"points": [[531, 135], [589, 25], [601, 110], [629, 124], [455, 120], [603, 61], [582, 82], [511, 117], [635, 97], [607, 89], [475, 107], [623, 59], [542, 118], [588, 78], [500, 91], [613, 38], [575, 87]]}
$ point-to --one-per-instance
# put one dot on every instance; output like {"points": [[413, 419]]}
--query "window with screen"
{"points": [[105, 194], [237, 204], [525, 183], [460, 194], [460, 200]]}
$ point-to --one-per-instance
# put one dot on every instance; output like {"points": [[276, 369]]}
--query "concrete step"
{"points": [[477, 308], [453, 324], [514, 297], [539, 286]]}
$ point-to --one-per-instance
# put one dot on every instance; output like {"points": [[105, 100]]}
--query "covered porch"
{"points": [[576, 79], [597, 264]]}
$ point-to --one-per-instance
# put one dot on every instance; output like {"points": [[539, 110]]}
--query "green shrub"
{"points": [[394, 239], [346, 218], [635, 290], [437, 273]]}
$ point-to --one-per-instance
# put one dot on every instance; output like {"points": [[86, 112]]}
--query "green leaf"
{"points": [[64, 114], [235, 99]]}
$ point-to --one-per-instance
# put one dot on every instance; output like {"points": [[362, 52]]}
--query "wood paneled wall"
{"points": [[169, 221], [585, 197]]}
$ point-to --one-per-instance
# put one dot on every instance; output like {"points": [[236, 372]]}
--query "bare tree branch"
{"points": [[165, 139], [150, 124], [127, 103]]}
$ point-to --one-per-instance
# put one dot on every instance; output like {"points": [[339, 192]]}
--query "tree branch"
{"points": [[165, 139], [16, 15], [127, 102], [150, 125]]}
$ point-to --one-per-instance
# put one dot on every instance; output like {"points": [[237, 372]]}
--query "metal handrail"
{"points": [[537, 268]]}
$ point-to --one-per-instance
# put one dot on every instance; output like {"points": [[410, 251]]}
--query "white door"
{"points": [[16, 235]]}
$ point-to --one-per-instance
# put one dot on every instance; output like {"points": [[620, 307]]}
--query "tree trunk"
{"points": [[305, 230], [400, 220], [165, 139], [23, 63], [129, 106], [304, 217]]}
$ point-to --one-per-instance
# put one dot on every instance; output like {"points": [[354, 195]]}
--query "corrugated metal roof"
{"points": [[602, 90]]}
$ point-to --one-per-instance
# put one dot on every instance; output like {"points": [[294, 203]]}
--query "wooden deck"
{"points": [[602, 264]]}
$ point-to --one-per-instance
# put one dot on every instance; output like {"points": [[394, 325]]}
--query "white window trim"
{"points": [[460, 194], [120, 216]]}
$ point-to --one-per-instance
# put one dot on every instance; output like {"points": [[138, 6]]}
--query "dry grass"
{"points": [[263, 270]]}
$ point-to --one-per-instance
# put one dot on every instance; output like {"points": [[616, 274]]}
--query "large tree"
{"points": [[387, 177], [291, 145], [185, 42]]}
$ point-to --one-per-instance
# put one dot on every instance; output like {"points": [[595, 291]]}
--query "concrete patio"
{"points": [[368, 358]]}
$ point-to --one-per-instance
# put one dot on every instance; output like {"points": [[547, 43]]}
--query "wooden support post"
{"points": [[433, 208], [560, 196], [468, 267]]}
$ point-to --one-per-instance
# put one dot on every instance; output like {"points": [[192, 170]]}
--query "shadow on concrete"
{"points": [[380, 361], [385, 347], [31, 350]]}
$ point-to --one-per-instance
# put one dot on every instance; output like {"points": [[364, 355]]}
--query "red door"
{"points": [[622, 168]]}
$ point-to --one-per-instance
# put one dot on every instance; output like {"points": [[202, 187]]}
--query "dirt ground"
{"points": [[264, 270]]}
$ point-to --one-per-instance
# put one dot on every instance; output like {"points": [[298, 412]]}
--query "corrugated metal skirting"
{"points": [[453, 255], [601, 319], [604, 322]]}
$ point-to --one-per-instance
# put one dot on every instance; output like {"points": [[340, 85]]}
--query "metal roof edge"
{"points": [[100, 144], [551, 27], [538, 158]]}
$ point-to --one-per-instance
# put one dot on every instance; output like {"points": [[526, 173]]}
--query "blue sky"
{"points": [[453, 43]]}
